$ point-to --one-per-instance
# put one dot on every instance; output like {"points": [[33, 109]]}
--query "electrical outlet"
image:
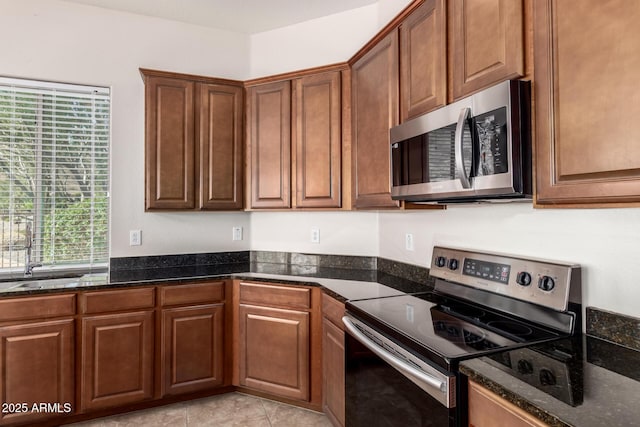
{"points": [[237, 233], [315, 235], [408, 241], [135, 237]]}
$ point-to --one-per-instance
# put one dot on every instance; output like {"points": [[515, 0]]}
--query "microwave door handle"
{"points": [[461, 173]]}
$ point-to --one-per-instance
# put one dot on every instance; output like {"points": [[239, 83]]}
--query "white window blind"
{"points": [[54, 173]]}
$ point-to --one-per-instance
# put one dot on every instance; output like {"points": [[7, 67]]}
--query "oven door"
{"points": [[388, 386]]}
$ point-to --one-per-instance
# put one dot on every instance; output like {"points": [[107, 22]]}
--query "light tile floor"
{"points": [[226, 410]]}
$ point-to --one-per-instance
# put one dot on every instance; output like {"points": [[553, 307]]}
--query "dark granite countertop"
{"points": [[343, 284], [597, 382]]}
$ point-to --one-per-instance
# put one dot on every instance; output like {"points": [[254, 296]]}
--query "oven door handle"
{"points": [[461, 173], [397, 363]]}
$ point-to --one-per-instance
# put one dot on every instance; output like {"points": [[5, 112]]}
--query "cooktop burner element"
{"points": [[456, 333]]}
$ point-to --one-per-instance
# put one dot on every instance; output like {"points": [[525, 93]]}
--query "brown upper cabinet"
{"points": [[269, 144], [587, 102], [423, 62], [487, 43], [374, 88], [317, 140], [294, 136], [193, 154]]}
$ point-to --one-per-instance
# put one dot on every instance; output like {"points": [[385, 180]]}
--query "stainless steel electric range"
{"points": [[402, 352]]}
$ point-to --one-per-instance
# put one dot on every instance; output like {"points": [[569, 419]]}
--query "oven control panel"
{"points": [[548, 283]]}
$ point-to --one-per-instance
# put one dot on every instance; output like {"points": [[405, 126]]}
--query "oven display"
{"points": [[487, 270]]}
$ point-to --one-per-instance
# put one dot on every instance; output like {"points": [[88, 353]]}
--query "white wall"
{"points": [[341, 233], [328, 40], [323, 41], [604, 241], [59, 41]]}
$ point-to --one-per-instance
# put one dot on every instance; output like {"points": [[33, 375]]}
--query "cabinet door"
{"points": [[487, 43], [170, 144], [317, 138], [117, 359], [587, 102], [220, 146], [423, 52], [374, 111], [269, 121], [274, 351], [333, 371], [36, 366], [487, 409], [192, 348]]}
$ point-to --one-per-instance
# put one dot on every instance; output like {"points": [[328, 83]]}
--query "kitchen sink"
{"points": [[70, 281], [41, 276]]}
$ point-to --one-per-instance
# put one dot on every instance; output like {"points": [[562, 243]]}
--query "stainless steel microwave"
{"points": [[478, 148]]}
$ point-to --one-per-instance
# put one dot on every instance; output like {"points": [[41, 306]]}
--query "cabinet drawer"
{"points": [[40, 307], [333, 310], [275, 296], [196, 293], [122, 299]]}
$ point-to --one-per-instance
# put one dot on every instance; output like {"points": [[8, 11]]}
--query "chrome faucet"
{"points": [[28, 244]]}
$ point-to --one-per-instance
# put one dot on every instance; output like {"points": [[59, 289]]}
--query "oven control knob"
{"points": [[441, 261], [523, 278], [546, 283], [525, 367], [547, 377], [453, 264]]}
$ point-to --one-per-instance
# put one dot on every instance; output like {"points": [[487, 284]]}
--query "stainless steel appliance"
{"points": [[478, 148], [402, 352]]}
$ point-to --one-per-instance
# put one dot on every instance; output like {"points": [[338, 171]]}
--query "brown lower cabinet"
{"points": [[333, 369], [193, 348], [37, 342], [487, 409], [116, 347], [36, 363], [274, 351], [116, 359], [137, 346], [193, 337], [279, 343]]}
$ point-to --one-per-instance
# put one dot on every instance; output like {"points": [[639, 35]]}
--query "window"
{"points": [[54, 174]]}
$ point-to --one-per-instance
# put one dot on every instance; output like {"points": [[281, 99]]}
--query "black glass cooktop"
{"points": [[446, 329]]}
